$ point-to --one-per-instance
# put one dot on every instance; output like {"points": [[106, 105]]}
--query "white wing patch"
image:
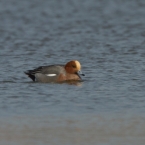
{"points": [[50, 75]]}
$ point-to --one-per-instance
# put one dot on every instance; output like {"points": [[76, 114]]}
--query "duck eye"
{"points": [[73, 66]]}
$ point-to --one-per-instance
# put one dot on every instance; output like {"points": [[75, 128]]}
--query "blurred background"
{"points": [[107, 37]]}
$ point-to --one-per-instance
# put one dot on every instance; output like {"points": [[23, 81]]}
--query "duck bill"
{"points": [[79, 73]]}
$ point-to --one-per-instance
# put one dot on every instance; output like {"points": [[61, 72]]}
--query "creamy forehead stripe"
{"points": [[78, 64], [50, 75]]}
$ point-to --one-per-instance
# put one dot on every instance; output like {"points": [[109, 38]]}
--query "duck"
{"points": [[71, 71]]}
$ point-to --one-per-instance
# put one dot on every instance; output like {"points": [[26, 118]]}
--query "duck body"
{"points": [[56, 73]]}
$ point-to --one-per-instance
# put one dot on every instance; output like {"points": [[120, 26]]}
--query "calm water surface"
{"points": [[107, 37]]}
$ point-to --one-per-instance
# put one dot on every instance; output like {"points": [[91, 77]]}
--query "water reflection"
{"points": [[76, 83]]}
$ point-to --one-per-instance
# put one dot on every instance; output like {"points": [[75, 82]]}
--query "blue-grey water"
{"points": [[107, 37]]}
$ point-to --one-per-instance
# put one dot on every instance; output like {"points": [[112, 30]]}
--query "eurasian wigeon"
{"points": [[56, 73]]}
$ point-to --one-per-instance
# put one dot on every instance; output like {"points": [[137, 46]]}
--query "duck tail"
{"points": [[28, 73]]}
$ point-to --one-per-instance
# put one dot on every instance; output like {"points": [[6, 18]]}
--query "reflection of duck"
{"points": [[56, 73]]}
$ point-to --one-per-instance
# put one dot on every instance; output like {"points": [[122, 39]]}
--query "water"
{"points": [[107, 37]]}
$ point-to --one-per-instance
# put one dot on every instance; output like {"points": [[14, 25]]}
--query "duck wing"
{"points": [[46, 70]]}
